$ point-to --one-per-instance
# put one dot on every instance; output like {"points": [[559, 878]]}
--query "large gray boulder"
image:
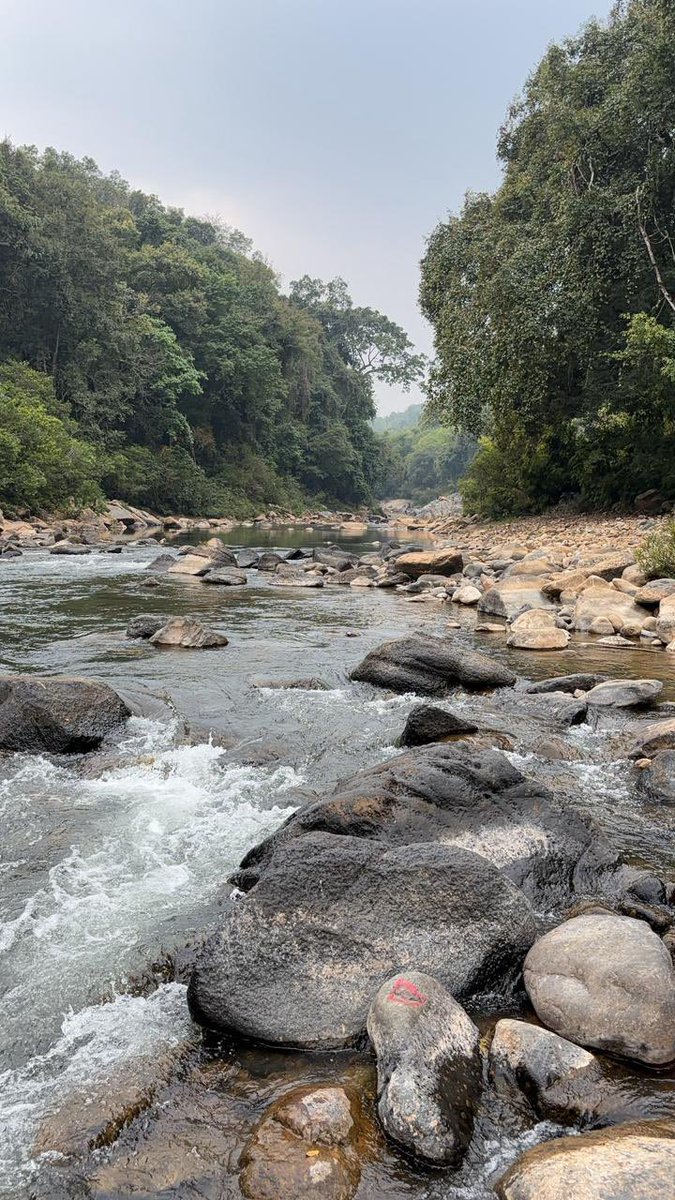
{"points": [[632, 1162], [58, 715], [608, 982], [624, 693], [429, 1069], [476, 799], [509, 596], [430, 665], [426, 724], [297, 960]]}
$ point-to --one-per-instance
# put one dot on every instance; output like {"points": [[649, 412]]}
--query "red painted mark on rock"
{"points": [[406, 992]]}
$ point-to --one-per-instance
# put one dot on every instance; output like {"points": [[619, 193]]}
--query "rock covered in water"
{"points": [[303, 1149], [608, 982], [631, 1162], [426, 723], [430, 665], [429, 1069], [298, 959], [57, 715], [189, 634]]}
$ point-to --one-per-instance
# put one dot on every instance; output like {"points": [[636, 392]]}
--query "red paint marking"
{"points": [[405, 992]]}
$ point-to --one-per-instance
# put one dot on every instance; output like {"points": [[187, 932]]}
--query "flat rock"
{"points": [[537, 630], [188, 634], [226, 577], [565, 683], [429, 1070], [624, 693], [507, 597], [635, 1161], [297, 960], [59, 715], [427, 723], [309, 683], [190, 564], [435, 562], [430, 665], [607, 982]]}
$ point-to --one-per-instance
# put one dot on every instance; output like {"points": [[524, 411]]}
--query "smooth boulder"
{"points": [[40, 713], [559, 1079], [185, 633], [297, 960], [624, 693], [537, 630], [607, 982], [144, 627], [426, 723], [507, 597], [429, 1070], [430, 562], [430, 665]]}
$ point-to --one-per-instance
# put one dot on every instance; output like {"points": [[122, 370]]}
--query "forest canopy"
{"points": [[152, 356], [553, 300]]}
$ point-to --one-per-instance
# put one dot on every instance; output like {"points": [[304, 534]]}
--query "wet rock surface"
{"points": [[57, 715], [429, 724], [430, 665]]}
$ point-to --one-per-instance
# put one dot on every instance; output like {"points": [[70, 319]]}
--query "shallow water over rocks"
{"points": [[112, 861]]}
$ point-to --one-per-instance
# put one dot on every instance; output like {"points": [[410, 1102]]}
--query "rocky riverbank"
{"points": [[425, 980]]}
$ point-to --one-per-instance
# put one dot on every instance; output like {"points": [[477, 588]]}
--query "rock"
{"points": [[308, 684], [635, 1161], [651, 502], [334, 558], [161, 564], [657, 780], [69, 548], [557, 708], [58, 715], [429, 724], [436, 562], [430, 665], [187, 633], [507, 597], [298, 581], [429, 1070], [269, 561], [467, 594], [226, 577], [539, 565], [489, 627], [297, 960], [144, 627], [301, 1149], [659, 736], [601, 627], [537, 630], [665, 621], [245, 559], [565, 683], [190, 564], [604, 602], [559, 1079], [624, 693], [651, 594], [361, 581], [608, 982], [457, 794]]}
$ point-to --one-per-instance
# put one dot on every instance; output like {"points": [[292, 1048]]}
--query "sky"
{"points": [[335, 133]]}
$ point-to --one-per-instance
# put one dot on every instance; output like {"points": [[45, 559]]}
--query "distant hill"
{"points": [[397, 421]]}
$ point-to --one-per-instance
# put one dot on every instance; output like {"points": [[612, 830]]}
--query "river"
{"points": [[111, 864]]}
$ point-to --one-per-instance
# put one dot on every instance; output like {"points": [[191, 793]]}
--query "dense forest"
{"points": [[151, 356], [553, 300], [420, 458]]}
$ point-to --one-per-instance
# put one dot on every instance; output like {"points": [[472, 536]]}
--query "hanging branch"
{"points": [[652, 257]]}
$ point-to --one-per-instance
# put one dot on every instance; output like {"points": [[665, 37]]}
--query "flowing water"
{"points": [[110, 864]]}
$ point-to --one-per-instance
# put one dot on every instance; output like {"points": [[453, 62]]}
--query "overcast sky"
{"points": [[335, 133]]}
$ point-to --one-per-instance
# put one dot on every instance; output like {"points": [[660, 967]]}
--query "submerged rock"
{"points": [[309, 684], [429, 1070], [188, 634], [431, 665], [429, 724], [57, 715], [608, 982], [297, 960], [632, 1162]]}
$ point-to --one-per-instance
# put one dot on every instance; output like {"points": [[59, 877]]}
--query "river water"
{"points": [[109, 864]]}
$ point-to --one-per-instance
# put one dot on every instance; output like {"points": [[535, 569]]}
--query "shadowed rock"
{"points": [[429, 724], [430, 665], [58, 715]]}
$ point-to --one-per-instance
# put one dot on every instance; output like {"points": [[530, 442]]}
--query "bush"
{"points": [[656, 555]]}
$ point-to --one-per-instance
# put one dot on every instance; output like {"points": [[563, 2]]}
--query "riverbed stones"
{"points": [[467, 594], [430, 562], [186, 633], [429, 1070], [226, 577], [607, 982], [426, 723], [603, 602], [58, 715], [430, 665], [300, 580], [559, 1079], [508, 597], [297, 960], [635, 1161], [190, 564], [537, 629], [624, 693], [303, 1149]]}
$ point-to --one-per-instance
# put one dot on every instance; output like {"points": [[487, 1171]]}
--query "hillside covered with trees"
{"points": [[553, 300], [152, 356]]}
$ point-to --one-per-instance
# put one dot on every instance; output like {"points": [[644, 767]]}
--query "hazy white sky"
{"points": [[335, 133]]}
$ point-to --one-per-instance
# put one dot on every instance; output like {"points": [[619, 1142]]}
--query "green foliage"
{"points": [[396, 421], [528, 290], [165, 343], [656, 555], [423, 461], [42, 466]]}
